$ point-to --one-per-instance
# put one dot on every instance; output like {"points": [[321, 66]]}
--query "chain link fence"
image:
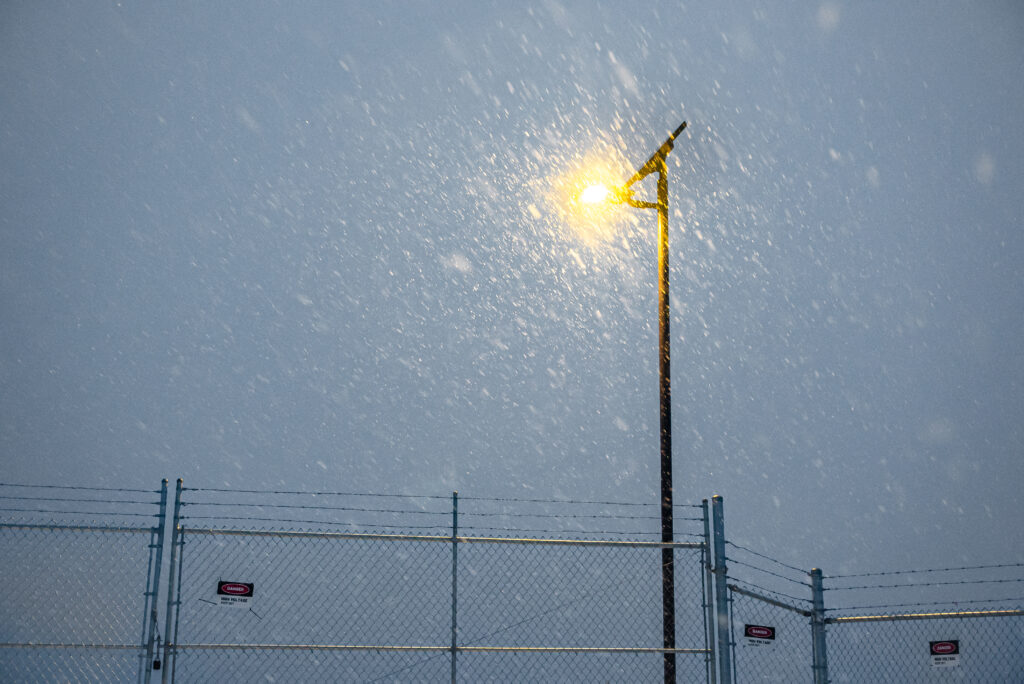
{"points": [[770, 639], [965, 646], [370, 604], [329, 596], [76, 595], [301, 586], [363, 607]]}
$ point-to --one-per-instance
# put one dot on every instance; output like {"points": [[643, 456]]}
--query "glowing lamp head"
{"points": [[595, 194]]}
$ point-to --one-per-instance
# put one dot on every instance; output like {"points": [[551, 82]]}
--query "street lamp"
{"points": [[623, 194]]}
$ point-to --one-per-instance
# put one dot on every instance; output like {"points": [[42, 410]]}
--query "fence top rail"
{"points": [[897, 617], [445, 649], [300, 534], [33, 644], [580, 542], [768, 600], [73, 528]]}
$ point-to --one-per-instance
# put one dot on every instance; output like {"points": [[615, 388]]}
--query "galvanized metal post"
{"points": [[153, 590], [721, 593], [819, 654], [455, 579], [709, 593], [171, 602]]}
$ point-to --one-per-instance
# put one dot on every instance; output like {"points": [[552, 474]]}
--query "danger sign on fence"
{"points": [[759, 635], [945, 653], [235, 594]]}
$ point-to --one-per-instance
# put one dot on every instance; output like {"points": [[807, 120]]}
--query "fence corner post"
{"points": [[153, 590], [709, 595], [455, 579], [721, 593], [169, 645], [819, 654]]}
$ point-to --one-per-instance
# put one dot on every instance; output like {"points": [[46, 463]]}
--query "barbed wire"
{"points": [[1017, 600], [567, 516], [115, 514], [463, 530], [909, 572], [622, 533], [315, 522], [80, 487], [314, 493], [767, 572], [492, 514], [769, 558], [315, 508], [430, 496], [769, 591], [76, 500], [909, 585], [574, 501]]}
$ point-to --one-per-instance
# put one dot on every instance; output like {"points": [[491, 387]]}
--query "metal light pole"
{"points": [[656, 164]]}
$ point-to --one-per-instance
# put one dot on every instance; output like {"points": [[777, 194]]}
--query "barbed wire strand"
{"points": [[624, 532], [769, 558], [929, 603], [575, 501], [316, 522], [464, 530], [431, 496], [112, 514], [909, 572], [92, 489], [77, 500], [770, 591], [767, 572], [911, 585], [492, 514], [312, 493], [566, 516], [314, 508]]}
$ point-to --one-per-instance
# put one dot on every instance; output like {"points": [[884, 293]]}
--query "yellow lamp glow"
{"points": [[595, 194]]}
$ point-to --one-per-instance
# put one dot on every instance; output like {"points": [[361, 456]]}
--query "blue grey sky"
{"points": [[319, 246]]}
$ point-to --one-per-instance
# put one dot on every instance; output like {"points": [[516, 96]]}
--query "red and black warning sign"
{"points": [[945, 653], [235, 593], [759, 635]]}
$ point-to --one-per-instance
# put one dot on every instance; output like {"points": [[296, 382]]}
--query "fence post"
{"points": [[154, 589], [455, 578], [820, 664], [709, 602], [164, 676], [721, 593]]}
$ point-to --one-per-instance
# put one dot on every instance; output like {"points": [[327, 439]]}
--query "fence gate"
{"points": [[320, 605], [78, 596], [771, 641]]}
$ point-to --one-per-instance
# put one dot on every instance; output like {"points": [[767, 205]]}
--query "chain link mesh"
{"points": [[786, 658], [379, 608], [72, 601], [315, 590], [569, 666], [76, 604], [896, 648]]}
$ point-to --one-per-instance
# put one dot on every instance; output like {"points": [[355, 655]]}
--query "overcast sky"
{"points": [[324, 246]]}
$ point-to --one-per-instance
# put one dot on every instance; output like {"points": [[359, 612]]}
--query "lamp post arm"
{"points": [[657, 159]]}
